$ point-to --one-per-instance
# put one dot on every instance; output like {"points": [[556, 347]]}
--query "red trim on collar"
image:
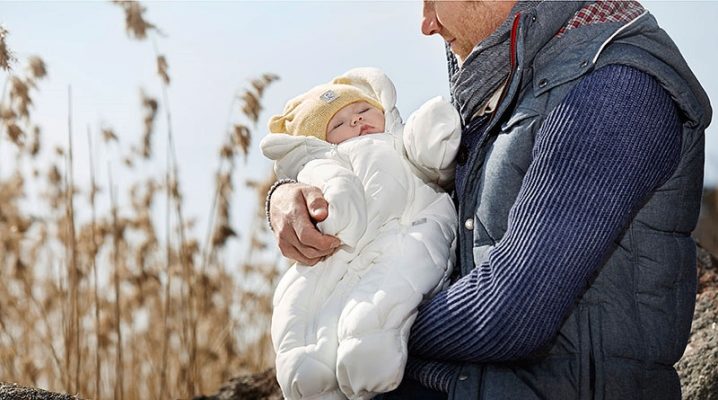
{"points": [[512, 48]]}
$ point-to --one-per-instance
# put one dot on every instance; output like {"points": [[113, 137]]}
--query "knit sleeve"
{"points": [[433, 375], [597, 157]]}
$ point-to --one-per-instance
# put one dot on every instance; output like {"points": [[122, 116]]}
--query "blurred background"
{"points": [[134, 257]]}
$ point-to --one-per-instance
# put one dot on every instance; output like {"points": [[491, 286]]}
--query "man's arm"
{"points": [[596, 158]]}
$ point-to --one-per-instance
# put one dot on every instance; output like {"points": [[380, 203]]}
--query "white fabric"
{"points": [[340, 328]]}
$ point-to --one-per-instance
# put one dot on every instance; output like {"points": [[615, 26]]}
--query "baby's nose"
{"points": [[356, 119]]}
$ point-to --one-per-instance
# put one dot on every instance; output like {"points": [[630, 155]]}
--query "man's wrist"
{"points": [[271, 190]]}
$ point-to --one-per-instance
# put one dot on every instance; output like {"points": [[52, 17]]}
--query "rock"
{"points": [[698, 368], [10, 391], [262, 385]]}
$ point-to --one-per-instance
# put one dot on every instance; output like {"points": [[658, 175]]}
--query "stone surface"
{"points": [[14, 392], [698, 368], [262, 385]]}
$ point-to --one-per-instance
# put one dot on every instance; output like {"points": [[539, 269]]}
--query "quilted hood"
{"points": [[292, 153]]}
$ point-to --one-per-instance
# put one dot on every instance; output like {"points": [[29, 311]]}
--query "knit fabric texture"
{"points": [[309, 113], [614, 139]]}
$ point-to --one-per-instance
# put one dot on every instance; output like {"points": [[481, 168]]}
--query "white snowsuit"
{"points": [[340, 328]]}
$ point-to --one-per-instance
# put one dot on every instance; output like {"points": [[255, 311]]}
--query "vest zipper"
{"points": [[512, 58], [468, 188]]}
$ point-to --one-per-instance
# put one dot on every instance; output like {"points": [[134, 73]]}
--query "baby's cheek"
{"points": [[332, 137]]}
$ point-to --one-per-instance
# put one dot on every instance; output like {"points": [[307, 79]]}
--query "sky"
{"points": [[215, 48]]}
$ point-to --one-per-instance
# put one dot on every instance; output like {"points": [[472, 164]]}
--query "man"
{"points": [[577, 185]]}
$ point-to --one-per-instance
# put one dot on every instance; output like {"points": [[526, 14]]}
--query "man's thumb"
{"points": [[317, 205]]}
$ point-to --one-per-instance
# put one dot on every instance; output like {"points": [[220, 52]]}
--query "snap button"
{"points": [[533, 18], [543, 83], [463, 377], [469, 224]]}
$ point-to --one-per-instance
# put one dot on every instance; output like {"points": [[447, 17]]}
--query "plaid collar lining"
{"points": [[603, 11]]}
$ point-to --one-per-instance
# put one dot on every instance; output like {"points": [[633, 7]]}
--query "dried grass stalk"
{"points": [[15, 116], [20, 96], [242, 138], [6, 56], [204, 337], [37, 67], [251, 98], [251, 107], [34, 148], [72, 349], [149, 105], [162, 68], [108, 135], [93, 258], [135, 22], [16, 134], [116, 232], [262, 82]]}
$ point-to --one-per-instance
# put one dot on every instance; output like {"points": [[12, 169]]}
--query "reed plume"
{"points": [[6, 56], [115, 302]]}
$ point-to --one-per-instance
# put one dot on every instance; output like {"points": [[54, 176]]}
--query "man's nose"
{"points": [[429, 22]]}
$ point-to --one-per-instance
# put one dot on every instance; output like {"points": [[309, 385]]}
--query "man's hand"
{"points": [[294, 210]]}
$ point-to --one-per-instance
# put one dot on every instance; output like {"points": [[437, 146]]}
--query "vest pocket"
{"points": [[519, 115]]}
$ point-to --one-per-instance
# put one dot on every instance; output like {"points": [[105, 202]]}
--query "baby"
{"points": [[340, 328]]}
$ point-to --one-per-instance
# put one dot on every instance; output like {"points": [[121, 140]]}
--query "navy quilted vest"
{"points": [[617, 332]]}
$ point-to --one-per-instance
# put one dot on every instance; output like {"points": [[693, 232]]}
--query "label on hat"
{"points": [[329, 96]]}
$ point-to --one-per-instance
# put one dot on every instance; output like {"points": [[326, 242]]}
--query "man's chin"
{"points": [[459, 58]]}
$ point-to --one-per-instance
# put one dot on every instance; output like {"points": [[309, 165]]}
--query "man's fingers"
{"points": [[316, 204], [292, 245], [316, 242], [294, 210], [291, 252]]}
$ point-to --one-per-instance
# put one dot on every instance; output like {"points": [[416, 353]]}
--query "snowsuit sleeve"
{"points": [[347, 217], [431, 140]]}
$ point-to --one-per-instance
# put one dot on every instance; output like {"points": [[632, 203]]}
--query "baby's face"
{"points": [[356, 119]]}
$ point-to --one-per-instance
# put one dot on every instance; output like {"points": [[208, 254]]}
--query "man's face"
{"points": [[463, 24], [356, 119]]}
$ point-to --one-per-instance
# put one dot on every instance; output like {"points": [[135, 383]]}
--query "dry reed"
{"points": [[72, 338], [6, 56], [106, 306], [93, 260], [150, 107]]}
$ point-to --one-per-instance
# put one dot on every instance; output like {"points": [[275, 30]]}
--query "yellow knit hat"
{"points": [[309, 114]]}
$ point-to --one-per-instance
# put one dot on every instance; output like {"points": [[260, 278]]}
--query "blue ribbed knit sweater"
{"points": [[596, 158]]}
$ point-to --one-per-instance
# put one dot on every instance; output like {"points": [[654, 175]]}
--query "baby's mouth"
{"points": [[364, 129]]}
